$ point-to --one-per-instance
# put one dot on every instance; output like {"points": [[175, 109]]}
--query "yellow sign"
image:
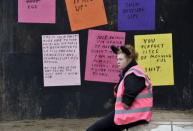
{"points": [[156, 57]]}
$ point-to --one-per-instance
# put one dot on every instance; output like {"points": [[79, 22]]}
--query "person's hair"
{"points": [[133, 54]]}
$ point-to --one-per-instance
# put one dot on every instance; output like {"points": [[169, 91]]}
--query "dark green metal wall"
{"points": [[22, 95]]}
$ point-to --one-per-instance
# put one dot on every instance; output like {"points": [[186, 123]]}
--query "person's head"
{"points": [[125, 55]]}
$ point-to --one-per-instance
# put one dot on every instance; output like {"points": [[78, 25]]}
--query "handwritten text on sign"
{"points": [[136, 14], [156, 57], [80, 5], [32, 4], [101, 62], [61, 60], [36, 11]]}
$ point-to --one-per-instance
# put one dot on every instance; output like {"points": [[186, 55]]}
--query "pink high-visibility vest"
{"points": [[141, 108]]}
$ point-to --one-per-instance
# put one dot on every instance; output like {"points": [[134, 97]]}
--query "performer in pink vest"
{"points": [[133, 94]]}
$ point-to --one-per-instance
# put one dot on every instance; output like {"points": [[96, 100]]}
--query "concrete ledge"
{"points": [[162, 121], [164, 126]]}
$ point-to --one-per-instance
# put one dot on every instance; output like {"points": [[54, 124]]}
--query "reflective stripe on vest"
{"points": [[148, 95], [133, 110]]}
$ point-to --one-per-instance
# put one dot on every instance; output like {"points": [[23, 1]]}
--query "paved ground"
{"points": [[162, 121]]}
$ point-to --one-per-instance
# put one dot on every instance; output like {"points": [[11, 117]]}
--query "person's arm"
{"points": [[133, 86]]}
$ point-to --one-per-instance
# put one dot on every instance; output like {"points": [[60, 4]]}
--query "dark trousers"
{"points": [[107, 124]]}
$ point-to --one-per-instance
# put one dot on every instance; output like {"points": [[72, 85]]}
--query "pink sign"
{"points": [[37, 11], [61, 60], [100, 61]]}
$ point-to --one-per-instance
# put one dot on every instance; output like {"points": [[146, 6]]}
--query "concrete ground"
{"points": [[163, 120]]}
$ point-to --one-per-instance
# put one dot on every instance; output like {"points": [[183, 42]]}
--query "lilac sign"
{"points": [[136, 15], [101, 61], [61, 60]]}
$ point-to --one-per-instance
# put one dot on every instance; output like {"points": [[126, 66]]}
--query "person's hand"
{"points": [[125, 106]]}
